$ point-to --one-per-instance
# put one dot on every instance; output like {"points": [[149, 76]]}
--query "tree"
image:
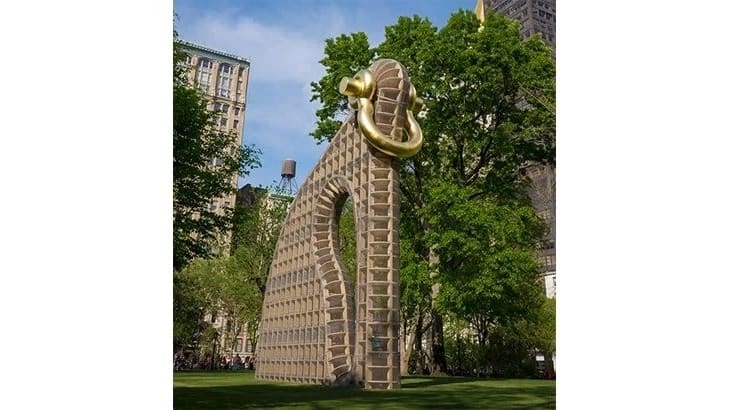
{"points": [[256, 230], [197, 230], [196, 292], [513, 347], [342, 57], [489, 98], [187, 312], [347, 236], [487, 265]]}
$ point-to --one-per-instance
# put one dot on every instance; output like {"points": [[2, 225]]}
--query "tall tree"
{"points": [[489, 98], [486, 251], [196, 142], [196, 293], [256, 230]]}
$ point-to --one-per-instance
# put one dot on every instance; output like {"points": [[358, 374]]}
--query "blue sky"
{"points": [[284, 40]]}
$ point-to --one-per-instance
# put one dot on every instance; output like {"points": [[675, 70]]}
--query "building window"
{"points": [[221, 107], [239, 90], [204, 74], [236, 111], [238, 344], [235, 124], [222, 122], [224, 80]]}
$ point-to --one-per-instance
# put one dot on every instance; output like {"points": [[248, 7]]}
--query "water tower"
{"points": [[287, 185]]}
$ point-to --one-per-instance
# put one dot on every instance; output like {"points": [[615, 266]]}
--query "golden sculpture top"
{"points": [[360, 91]]}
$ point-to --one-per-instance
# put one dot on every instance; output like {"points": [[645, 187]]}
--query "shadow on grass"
{"points": [[411, 382], [242, 391]]}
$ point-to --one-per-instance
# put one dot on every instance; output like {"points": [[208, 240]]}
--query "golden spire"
{"points": [[480, 9]]}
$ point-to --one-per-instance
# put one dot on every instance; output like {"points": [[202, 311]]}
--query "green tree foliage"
{"points": [[256, 232], [487, 266], [196, 293], [347, 236], [512, 347], [188, 310], [343, 56], [489, 112], [230, 286], [196, 181]]}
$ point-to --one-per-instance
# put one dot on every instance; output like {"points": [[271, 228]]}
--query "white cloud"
{"points": [[277, 52], [284, 51]]}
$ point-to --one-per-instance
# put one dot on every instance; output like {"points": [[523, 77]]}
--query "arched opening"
{"points": [[335, 248], [347, 238], [345, 248]]}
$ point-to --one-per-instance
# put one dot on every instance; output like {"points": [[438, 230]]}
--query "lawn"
{"points": [[238, 390]]}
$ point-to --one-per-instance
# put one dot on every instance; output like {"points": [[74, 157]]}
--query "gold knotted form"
{"points": [[360, 91]]}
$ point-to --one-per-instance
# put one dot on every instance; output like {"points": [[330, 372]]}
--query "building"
{"points": [[233, 337], [536, 16], [223, 79]]}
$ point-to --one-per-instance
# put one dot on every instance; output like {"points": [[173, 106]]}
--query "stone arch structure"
{"points": [[316, 326]]}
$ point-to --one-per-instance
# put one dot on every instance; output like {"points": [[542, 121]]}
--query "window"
{"points": [[236, 111], [239, 90], [235, 124], [204, 74], [238, 344], [222, 122], [224, 80], [221, 107]]}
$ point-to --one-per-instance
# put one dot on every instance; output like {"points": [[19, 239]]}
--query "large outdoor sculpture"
{"points": [[317, 326]]}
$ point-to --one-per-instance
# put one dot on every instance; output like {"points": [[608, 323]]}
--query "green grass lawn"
{"points": [[238, 390]]}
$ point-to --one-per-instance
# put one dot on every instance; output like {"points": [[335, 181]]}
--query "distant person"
{"points": [[179, 361]]}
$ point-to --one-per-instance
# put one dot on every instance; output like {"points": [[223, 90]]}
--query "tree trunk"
{"points": [[408, 344], [418, 345], [437, 339], [439, 366]]}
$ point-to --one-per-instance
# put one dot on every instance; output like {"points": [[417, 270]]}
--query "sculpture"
{"points": [[316, 326]]}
